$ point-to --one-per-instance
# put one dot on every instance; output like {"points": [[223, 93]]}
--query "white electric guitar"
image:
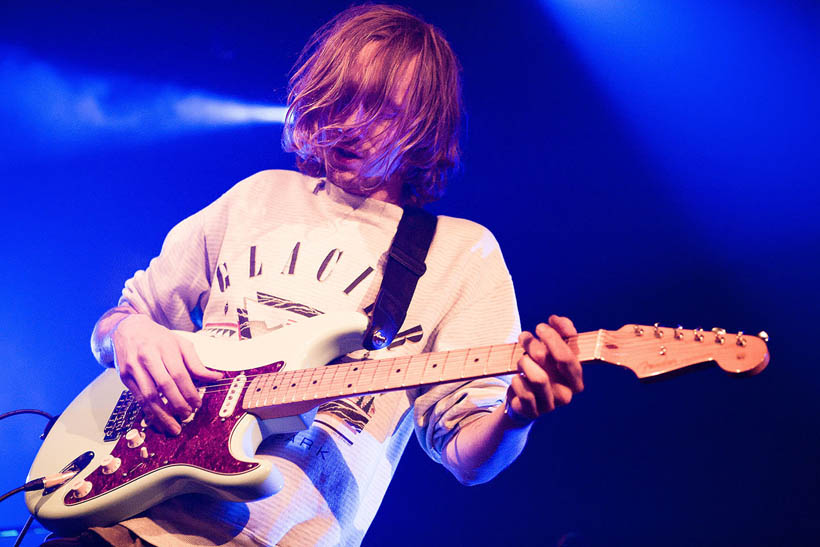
{"points": [[273, 384]]}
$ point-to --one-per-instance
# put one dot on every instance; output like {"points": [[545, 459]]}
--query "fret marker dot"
{"points": [[349, 385], [293, 385], [355, 369], [398, 370], [274, 387], [314, 381], [258, 389], [435, 365], [475, 360]]}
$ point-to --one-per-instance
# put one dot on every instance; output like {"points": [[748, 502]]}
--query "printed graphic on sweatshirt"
{"points": [[305, 264], [353, 412]]}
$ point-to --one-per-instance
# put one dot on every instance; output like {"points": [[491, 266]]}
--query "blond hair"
{"points": [[328, 89]]}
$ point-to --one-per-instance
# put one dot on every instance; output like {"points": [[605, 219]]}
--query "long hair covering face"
{"points": [[339, 99]]}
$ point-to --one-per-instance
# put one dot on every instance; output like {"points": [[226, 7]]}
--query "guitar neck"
{"points": [[286, 393]]}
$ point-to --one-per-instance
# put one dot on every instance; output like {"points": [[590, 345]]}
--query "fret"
{"points": [[328, 380], [415, 370], [397, 372], [352, 378], [500, 358], [382, 374], [368, 371], [266, 394], [475, 362], [344, 386], [280, 394], [432, 369], [312, 383], [302, 380], [251, 394], [453, 365], [510, 356]]}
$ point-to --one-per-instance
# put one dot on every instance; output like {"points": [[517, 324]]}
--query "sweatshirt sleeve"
{"points": [[484, 313], [180, 277]]}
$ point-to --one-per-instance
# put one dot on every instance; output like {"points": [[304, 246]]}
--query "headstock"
{"points": [[653, 350]]}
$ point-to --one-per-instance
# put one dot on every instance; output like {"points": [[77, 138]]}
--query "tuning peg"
{"points": [[698, 334], [679, 332], [638, 330], [658, 331], [741, 340], [763, 335]]}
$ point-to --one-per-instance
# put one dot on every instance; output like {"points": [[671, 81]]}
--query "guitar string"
{"points": [[629, 345], [225, 385]]}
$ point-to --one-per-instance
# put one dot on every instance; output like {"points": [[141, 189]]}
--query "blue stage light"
{"points": [[718, 95], [66, 108]]}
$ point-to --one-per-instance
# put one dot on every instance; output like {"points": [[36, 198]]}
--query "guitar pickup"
{"points": [[232, 398]]}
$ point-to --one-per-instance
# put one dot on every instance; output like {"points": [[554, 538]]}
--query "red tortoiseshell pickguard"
{"points": [[203, 443]]}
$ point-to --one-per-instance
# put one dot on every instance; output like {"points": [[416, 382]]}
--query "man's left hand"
{"points": [[549, 373]]}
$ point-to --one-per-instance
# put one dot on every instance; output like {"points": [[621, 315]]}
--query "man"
{"points": [[373, 119]]}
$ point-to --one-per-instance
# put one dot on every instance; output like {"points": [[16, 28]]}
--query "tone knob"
{"points": [[80, 487], [144, 452], [134, 438], [110, 464]]}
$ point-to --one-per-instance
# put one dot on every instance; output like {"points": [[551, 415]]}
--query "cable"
{"points": [[26, 411], [43, 482], [12, 492], [22, 533]]}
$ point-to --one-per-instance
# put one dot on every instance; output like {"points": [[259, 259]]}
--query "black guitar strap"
{"points": [[405, 265]]}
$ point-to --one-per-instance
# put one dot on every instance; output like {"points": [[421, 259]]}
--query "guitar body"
{"points": [[126, 473]]}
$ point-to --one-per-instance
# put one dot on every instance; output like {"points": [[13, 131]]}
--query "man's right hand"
{"points": [[152, 363]]}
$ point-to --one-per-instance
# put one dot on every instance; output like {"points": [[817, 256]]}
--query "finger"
{"points": [[540, 354], [534, 400], [147, 394], [561, 358], [534, 347], [562, 395], [194, 364], [157, 385], [563, 325], [166, 384], [549, 394], [178, 373], [535, 379], [522, 400]]}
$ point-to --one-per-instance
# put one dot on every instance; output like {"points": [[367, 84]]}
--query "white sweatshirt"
{"points": [[279, 247]]}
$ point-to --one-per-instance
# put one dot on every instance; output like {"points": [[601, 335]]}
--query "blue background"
{"points": [[638, 161]]}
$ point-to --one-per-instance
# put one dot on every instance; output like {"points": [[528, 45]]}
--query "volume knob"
{"points": [[134, 438], [110, 464], [80, 487]]}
